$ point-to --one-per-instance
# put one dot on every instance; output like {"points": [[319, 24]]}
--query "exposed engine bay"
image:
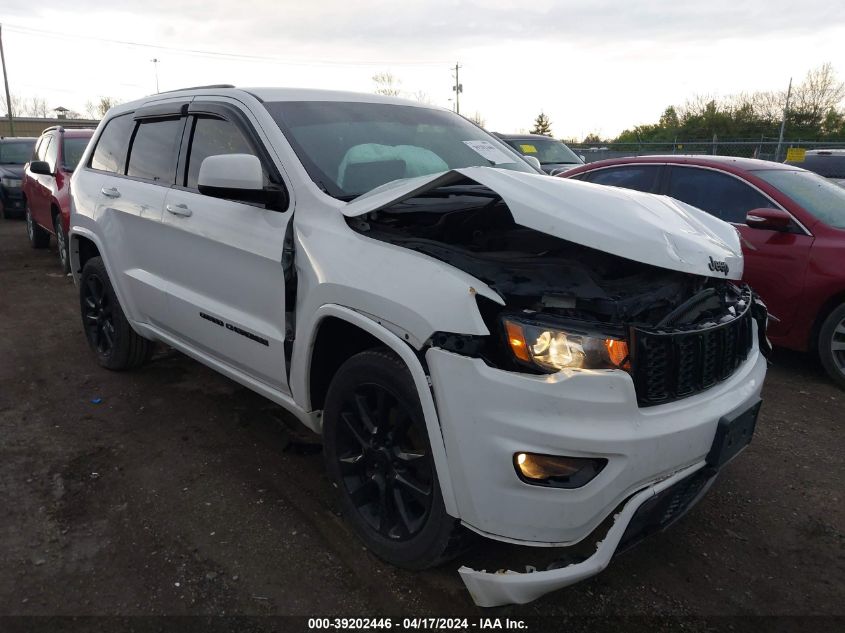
{"points": [[471, 228]]}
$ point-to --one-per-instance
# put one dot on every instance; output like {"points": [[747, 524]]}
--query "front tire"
{"points": [[61, 243], [831, 345], [109, 333], [38, 237], [377, 452]]}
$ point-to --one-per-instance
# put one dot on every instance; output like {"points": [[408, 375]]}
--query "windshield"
{"points": [[15, 152], [72, 151], [829, 166], [821, 198], [548, 152], [349, 148]]}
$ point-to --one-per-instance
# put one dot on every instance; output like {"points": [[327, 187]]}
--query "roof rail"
{"points": [[198, 88], [51, 128]]}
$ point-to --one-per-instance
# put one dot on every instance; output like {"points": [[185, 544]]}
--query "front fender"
{"points": [[300, 388]]}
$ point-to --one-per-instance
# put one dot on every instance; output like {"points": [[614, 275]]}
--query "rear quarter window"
{"points": [[722, 195], [826, 165], [637, 177], [110, 153]]}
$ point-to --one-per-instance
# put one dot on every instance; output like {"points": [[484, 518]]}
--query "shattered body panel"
{"points": [[650, 229]]}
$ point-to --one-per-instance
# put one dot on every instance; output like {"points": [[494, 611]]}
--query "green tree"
{"points": [[815, 112], [542, 125]]}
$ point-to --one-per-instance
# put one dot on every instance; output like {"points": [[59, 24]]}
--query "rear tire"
{"points": [[61, 243], [377, 452], [109, 333], [831, 345], [38, 237]]}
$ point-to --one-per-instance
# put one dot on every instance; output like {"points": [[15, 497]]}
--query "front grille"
{"points": [[665, 508], [669, 366]]}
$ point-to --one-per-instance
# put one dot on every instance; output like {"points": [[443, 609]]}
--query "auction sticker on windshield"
{"points": [[490, 152], [528, 149]]}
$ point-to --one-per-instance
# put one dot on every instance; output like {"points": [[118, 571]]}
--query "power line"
{"points": [[25, 30]]}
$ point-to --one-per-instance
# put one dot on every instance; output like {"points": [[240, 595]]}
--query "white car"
{"points": [[483, 348]]}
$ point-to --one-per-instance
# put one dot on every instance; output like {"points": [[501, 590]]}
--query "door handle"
{"points": [[179, 209], [111, 192]]}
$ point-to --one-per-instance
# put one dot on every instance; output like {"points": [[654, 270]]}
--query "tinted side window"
{"points": [[210, 138], [829, 166], [724, 196], [154, 150], [110, 153], [52, 153], [638, 177], [42, 147], [36, 150]]}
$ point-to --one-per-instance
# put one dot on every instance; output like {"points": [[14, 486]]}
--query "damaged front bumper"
{"points": [[668, 499]]}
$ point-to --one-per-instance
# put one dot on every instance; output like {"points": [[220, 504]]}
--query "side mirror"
{"points": [[531, 160], [232, 176], [769, 219], [583, 158], [40, 167]]}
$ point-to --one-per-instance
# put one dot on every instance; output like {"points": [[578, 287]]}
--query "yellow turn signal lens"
{"points": [[617, 352], [516, 339]]}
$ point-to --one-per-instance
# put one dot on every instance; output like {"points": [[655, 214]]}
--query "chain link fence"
{"points": [[763, 148]]}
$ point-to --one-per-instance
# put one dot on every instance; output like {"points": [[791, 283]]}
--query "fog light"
{"points": [[557, 471]]}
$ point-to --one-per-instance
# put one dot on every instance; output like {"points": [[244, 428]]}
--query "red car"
{"points": [[46, 184], [792, 225]]}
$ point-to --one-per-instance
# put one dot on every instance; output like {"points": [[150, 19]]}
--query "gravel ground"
{"points": [[183, 494]]}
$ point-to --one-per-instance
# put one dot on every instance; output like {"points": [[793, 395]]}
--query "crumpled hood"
{"points": [[643, 227]]}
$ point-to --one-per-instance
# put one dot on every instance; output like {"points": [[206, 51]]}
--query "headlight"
{"points": [[551, 348], [11, 183]]}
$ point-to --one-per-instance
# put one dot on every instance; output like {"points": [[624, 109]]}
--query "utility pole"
{"points": [[783, 120], [458, 88], [155, 61], [6, 81]]}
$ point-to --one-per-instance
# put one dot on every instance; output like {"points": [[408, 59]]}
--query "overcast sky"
{"points": [[591, 65]]}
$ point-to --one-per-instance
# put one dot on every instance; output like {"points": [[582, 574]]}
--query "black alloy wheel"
{"points": [[386, 469], [97, 314], [378, 455]]}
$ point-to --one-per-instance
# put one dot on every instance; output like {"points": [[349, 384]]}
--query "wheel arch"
{"points": [[83, 246], [55, 210], [828, 306], [340, 319]]}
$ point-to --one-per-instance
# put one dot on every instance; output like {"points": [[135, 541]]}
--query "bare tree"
{"points": [[819, 93], [36, 107], [422, 97], [17, 105], [478, 119], [97, 109], [27, 106], [387, 84]]}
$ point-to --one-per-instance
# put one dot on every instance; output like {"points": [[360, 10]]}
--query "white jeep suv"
{"points": [[484, 349]]}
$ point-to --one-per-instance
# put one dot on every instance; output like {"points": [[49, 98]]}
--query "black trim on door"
{"points": [[163, 110], [234, 115]]}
